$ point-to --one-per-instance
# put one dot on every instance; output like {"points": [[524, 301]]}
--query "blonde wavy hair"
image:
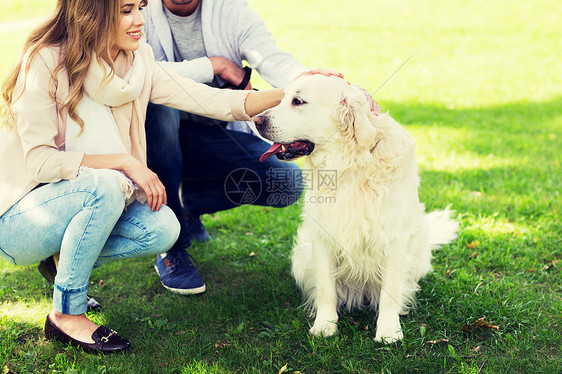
{"points": [[82, 29]]}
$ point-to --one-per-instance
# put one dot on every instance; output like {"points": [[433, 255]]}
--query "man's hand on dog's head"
{"points": [[322, 71]]}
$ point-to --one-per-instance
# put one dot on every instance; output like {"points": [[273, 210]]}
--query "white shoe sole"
{"points": [[183, 291]]}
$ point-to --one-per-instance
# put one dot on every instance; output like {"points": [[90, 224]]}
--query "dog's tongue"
{"points": [[271, 151]]}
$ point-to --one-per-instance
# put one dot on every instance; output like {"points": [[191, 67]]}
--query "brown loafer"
{"points": [[105, 340]]}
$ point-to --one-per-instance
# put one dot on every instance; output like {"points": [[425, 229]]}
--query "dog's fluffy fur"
{"points": [[368, 241]]}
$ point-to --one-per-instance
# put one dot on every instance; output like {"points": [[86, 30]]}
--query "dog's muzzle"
{"points": [[283, 151], [287, 152]]}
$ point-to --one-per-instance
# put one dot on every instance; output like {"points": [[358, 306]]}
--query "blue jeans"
{"points": [[217, 169], [84, 221]]}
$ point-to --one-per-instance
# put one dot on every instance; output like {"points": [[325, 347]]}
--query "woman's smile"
{"points": [[135, 34]]}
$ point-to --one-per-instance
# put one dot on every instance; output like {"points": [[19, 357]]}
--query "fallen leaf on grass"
{"points": [[282, 369], [439, 341], [473, 244], [481, 322]]}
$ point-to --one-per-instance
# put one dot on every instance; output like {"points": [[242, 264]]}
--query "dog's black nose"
{"points": [[260, 121]]}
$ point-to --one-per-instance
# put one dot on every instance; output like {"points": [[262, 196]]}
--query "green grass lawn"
{"points": [[482, 96]]}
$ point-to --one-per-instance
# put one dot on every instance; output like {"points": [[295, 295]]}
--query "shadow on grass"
{"points": [[516, 193], [517, 117], [526, 138], [529, 134]]}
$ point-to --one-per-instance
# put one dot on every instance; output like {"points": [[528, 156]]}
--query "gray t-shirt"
{"points": [[187, 36]]}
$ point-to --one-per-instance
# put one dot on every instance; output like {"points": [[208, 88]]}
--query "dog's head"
{"points": [[319, 111]]}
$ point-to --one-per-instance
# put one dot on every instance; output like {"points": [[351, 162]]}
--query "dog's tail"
{"points": [[442, 228]]}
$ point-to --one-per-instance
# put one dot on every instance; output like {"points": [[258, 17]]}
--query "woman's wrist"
{"points": [[125, 161], [120, 161], [258, 101]]}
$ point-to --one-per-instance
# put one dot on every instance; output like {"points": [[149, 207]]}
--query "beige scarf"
{"points": [[106, 103], [122, 96]]}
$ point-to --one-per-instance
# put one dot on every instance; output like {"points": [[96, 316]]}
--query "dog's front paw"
{"points": [[324, 328], [389, 336], [389, 329]]}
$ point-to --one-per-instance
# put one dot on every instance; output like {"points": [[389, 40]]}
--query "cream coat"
{"points": [[35, 153]]}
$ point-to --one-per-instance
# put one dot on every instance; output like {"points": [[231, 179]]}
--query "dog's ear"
{"points": [[357, 120]]}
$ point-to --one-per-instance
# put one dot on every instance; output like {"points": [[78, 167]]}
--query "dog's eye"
{"points": [[297, 101]]}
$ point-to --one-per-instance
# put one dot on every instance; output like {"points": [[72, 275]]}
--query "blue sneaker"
{"points": [[178, 274]]}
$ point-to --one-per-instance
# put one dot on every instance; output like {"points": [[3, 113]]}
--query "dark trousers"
{"points": [[217, 169]]}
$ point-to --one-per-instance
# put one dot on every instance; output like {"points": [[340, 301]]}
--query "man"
{"points": [[217, 164]]}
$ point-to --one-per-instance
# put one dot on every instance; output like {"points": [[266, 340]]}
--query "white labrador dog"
{"points": [[366, 241]]}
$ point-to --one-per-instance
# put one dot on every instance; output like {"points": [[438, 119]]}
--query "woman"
{"points": [[73, 154]]}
